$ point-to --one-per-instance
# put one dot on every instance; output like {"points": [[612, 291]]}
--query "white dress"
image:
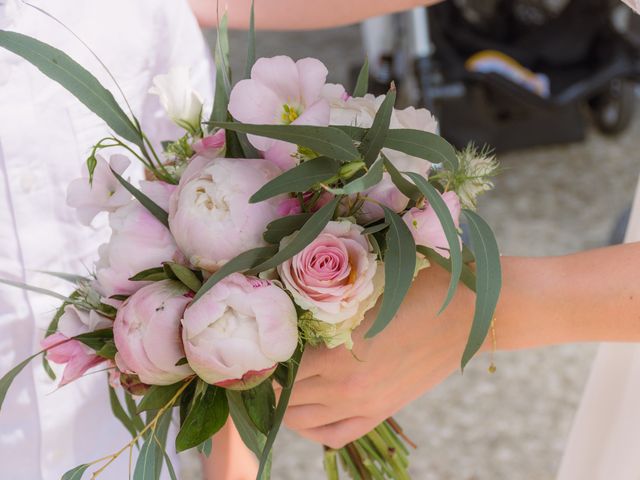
{"points": [[45, 135], [604, 443]]}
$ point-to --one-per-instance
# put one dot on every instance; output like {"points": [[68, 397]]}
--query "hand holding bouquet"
{"points": [[273, 224]]}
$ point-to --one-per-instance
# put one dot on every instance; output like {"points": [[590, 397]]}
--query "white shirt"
{"points": [[45, 135]]}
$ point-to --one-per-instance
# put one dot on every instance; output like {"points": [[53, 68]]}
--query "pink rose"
{"points": [[336, 278], [426, 227], [77, 357], [138, 242], [146, 332], [104, 194], [210, 214], [237, 333], [281, 91]]}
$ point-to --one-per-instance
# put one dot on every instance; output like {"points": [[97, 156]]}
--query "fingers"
{"points": [[337, 435], [306, 417]]}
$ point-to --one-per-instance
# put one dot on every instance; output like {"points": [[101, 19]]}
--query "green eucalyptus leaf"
{"points": [[150, 455], [67, 277], [421, 144], [120, 414], [362, 83], [356, 134], [281, 408], [251, 436], [10, 376], [76, 473], [375, 228], [251, 42], [444, 215], [152, 207], [285, 226], [375, 138], [47, 367], [371, 178], [108, 350], [304, 237], [401, 183], [154, 274], [260, 404], [326, 141], [207, 415], [298, 179], [61, 68], [96, 339], [158, 396], [242, 262], [205, 447], [43, 291], [399, 269], [132, 408], [468, 276], [185, 275], [223, 80], [488, 282]]}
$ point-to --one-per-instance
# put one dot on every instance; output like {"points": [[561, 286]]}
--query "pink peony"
{"points": [[147, 333], [236, 334], [281, 92], [138, 242], [385, 193], [103, 194], [426, 227], [336, 278], [77, 357], [210, 214]]}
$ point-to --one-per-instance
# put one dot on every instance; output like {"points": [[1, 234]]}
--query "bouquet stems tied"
{"points": [[379, 455]]}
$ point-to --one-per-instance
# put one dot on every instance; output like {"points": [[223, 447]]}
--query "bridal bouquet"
{"points": [[274, 224]]}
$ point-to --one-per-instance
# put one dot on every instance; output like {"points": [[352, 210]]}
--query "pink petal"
{"points": [[280, 75], [313, 75]]}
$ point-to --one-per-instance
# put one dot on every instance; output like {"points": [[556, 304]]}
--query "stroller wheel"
{"points": [[613, 109]]}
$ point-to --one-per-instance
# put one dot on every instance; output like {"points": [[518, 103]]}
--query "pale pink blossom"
{"points": [[281, 92], [64, 350], [336, 278], [138, 242], [210, 146], [210, 214], [103, 194], [237, 333], [426, 227], [181, 102], [146, 332]]}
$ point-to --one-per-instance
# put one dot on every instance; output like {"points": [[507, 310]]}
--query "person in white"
{"points": [[45, 136]]}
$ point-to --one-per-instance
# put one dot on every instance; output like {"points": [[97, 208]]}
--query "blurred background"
{"points": [[550, 85]]}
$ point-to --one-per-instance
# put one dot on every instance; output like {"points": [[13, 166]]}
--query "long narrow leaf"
{"points": [[404, 185], [488, 282], [146, 465], [251, 42], [208, 415], [375, 138], [61, 68], [282, 227], [251, 436], [10, 376], [67, 277], [76, 473], [223, 82], [242, 262], [259, 403], [298, 179], [399, 269], [31, 288], [468, 277], [119, 413], [444, 215], [285, 395], [185, 275], [327, 141], [152, 207], [304, 237], [362, 84], [158, 396], [426, 145]]}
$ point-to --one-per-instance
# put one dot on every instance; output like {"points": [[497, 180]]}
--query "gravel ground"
{"points": [[511, 425]]}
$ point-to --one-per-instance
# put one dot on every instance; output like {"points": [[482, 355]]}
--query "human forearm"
{"points": [[298, 14], [589, 296]]}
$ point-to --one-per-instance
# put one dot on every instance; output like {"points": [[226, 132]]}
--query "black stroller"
{"points": [[586, 51]]}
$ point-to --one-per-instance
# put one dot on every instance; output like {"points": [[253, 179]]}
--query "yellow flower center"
{"points": [[289, 114]]}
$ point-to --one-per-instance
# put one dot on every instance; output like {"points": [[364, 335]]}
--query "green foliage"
{"points": [[488, 282], [76, 473], [260, 404], [372, 177], [399, 269], [326, 141], [185, 275], [9, 377], [251, 42], [426, 145], [207, 415], [158, 396], [299, 179], [61, 68], [150, 205], [119, 412], [154, 274], [362, 84], [282, 227], [375, 137]]}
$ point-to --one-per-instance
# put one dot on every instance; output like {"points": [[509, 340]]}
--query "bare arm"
{"points": [[298, 14], [589, 296]]}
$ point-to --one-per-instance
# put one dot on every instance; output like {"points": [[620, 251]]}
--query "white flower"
{"points": [[181, 102], [103, 193]]}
